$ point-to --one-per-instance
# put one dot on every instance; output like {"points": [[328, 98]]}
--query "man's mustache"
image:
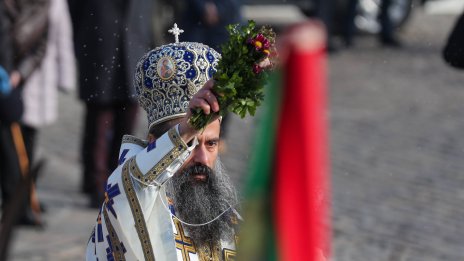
{"points": [[198, 169]]}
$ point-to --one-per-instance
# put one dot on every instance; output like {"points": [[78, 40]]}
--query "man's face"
{"points": [[206, 152], [201, 191]]}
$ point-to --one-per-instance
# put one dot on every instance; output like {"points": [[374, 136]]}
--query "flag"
{"points": [[287, 214]]}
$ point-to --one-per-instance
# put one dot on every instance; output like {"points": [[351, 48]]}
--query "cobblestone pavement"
{"points": [[396, 120], [397, 149]]}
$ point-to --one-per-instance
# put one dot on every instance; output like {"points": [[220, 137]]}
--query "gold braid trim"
{"points": [[136, 172], [116, 244], [153, 173], [134, 140], [137, 213], [229, 254]]}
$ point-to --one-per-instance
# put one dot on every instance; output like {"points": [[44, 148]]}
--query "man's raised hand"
{"points": [[204, 99]]}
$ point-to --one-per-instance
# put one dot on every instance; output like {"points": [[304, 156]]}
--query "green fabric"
{"points": [[257, 240]]}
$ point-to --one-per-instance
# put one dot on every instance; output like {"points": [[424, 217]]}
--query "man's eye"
{"points": [[212, 143]]}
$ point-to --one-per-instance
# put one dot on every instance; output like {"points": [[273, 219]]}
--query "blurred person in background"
{"points": [[27, 22], [453, 53], [387, 35], [324, 10], [387, 32], [205, 21], [349, 28], [5, 46], [109, 37], [5, 57], [56, 72], [9, 166]]}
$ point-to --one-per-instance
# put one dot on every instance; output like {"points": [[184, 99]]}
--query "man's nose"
{"points": [[200, 155]]}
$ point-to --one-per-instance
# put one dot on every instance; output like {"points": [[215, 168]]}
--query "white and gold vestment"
{"points": [[134, 222]]}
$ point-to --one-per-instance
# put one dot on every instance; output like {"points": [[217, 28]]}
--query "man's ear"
{"points": [[151, 138]]}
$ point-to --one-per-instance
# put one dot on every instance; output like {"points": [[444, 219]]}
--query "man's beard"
{"points": [[198, 202]]}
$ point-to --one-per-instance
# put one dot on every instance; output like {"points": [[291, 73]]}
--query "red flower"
{"points": [[257, 69], [260, 42]]}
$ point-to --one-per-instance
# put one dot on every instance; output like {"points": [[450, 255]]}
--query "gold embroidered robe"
{"points": [[134, 222]]}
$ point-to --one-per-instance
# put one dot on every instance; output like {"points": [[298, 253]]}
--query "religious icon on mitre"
{"points": [[166, 68]]}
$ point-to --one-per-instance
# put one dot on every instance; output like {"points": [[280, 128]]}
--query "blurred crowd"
{"points": [[342, 24], [92, 47], [36, 60]]}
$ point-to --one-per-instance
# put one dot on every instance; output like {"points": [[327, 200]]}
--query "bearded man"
{"points": [[169, 198]]}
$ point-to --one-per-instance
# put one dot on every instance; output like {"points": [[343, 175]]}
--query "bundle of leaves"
{"points": [[242, 72]]}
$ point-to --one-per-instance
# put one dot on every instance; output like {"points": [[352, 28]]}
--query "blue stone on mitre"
{"points": [[168, 76]]}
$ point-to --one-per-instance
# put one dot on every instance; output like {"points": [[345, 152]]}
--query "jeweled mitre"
{"points": [[168, 76]]}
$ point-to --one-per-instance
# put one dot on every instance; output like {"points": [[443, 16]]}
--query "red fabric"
{"points": [[301, 191]]}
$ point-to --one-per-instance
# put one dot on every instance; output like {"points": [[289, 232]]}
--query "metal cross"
{"points": [[176, 31]]}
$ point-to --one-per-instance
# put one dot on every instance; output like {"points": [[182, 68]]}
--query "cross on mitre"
{"points": [[176, 31]]}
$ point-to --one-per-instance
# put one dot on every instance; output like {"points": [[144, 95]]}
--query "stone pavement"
{"points": [[396, 122]]}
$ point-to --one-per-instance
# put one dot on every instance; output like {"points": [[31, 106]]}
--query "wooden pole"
{"points": [[24, 166]]}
